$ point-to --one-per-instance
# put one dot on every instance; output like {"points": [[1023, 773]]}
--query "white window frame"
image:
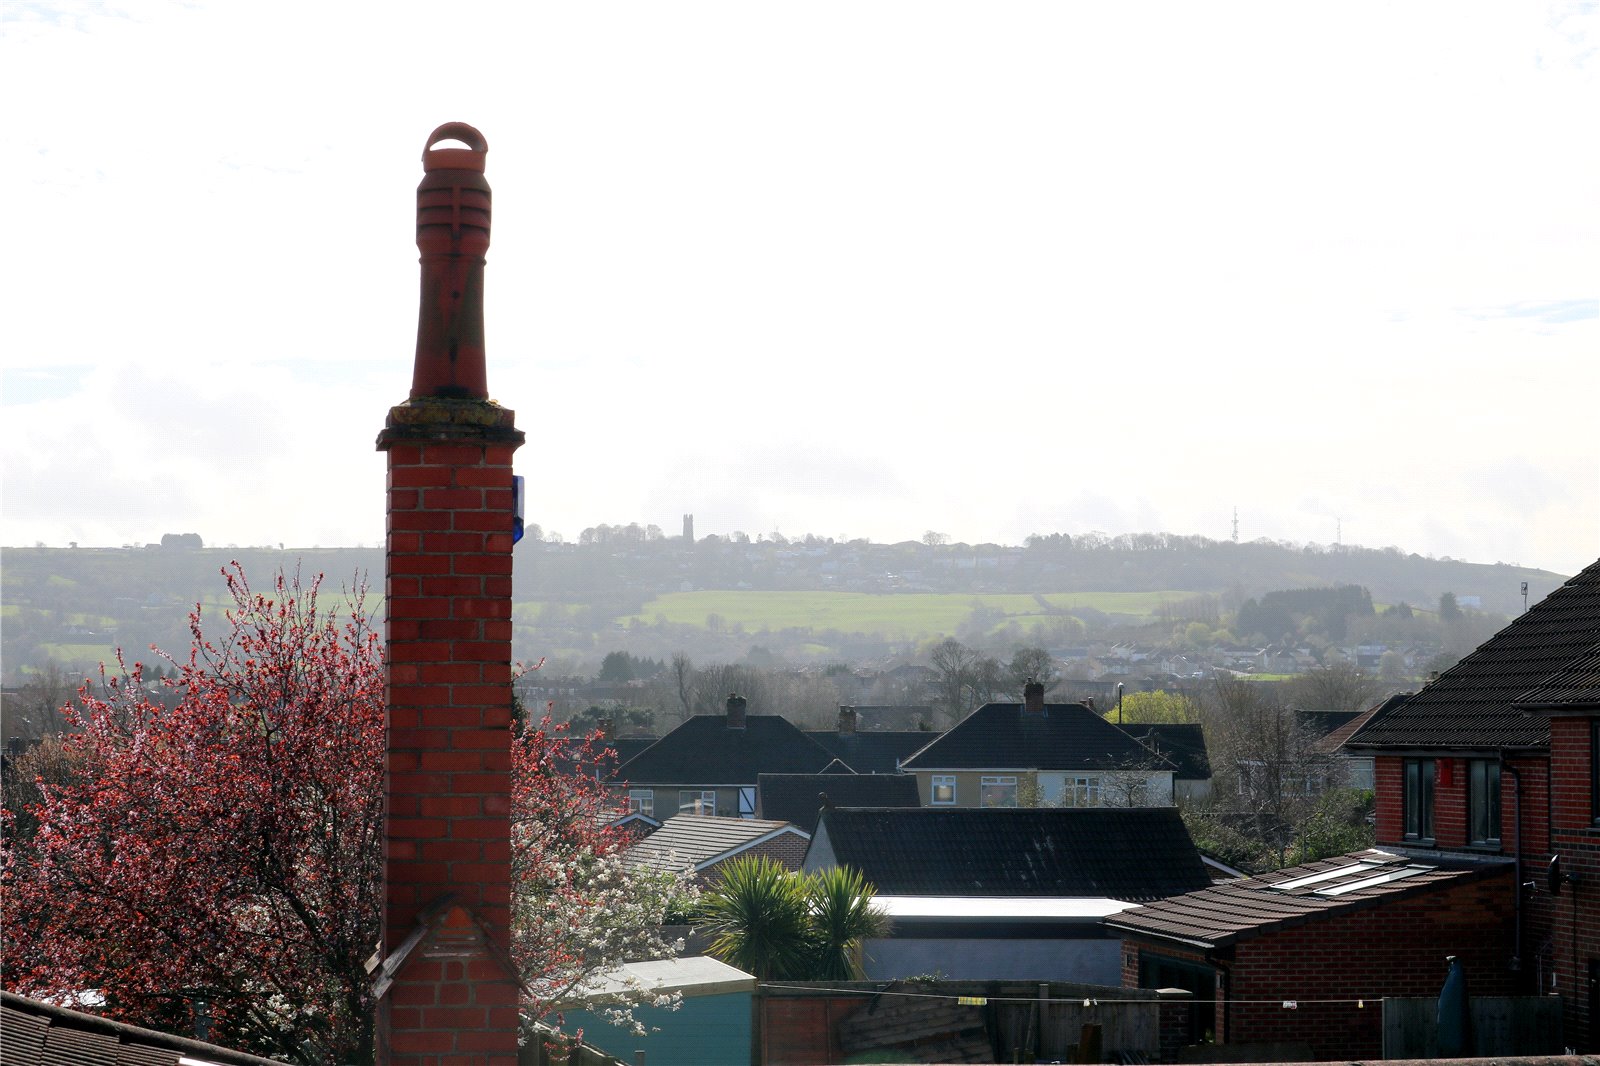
{"points": [[642, 801], [1001, 781], [1082, 791], [697, 801], [938, 782]]}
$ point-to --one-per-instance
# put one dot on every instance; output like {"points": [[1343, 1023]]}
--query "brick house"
{"points": [[1482, 779], [1497, 758]]}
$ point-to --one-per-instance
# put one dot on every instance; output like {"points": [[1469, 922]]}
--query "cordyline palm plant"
{"points": [[784, 925]]}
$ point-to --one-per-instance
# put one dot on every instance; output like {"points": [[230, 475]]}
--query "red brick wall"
{"points": [[787, 850], [448, 771], [448, 597], [1327, 966], [1396, 949], [1574, 915], [1450, 805]]}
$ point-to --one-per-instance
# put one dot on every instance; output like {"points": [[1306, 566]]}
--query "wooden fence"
{"points": [[1501, 1026]]}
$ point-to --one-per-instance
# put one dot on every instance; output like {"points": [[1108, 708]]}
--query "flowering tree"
{"points": [[220, 854], [577, 908], [217, 852]]}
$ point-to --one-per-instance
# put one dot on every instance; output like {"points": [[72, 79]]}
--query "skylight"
{"points": [[1372, 882], [1325, 875]]}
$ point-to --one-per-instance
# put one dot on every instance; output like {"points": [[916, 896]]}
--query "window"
{"points": [[642, 801], [998, 791], [944, 790], [1081, 792], [1483, 801], [699, 801], [1419, 776]]}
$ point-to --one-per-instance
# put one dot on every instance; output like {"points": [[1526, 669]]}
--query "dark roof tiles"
{"points": [[1549, 655], [797, 798], [1126, 853], [1002, 736], [872, 753], [704, 751]]}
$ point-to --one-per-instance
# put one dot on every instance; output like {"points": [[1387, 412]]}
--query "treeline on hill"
{"points": [[75, 606]]}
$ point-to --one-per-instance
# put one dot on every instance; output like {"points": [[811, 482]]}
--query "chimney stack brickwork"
{"points": [[450, 994]]}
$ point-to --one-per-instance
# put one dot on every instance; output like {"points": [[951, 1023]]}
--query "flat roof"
{"points": [[696, 975], [1000, 908]]}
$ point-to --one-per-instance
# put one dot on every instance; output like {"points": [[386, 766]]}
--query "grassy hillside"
{"points": [[912, 616]]}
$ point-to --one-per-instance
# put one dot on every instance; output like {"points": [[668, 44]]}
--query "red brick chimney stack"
{"points": [[447, 991], [1033, 697]]}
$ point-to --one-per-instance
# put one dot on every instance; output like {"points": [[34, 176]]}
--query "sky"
{"points": [[857, 269]]}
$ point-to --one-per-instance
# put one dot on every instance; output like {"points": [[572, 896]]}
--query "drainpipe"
{"points": [[1516, 899]]}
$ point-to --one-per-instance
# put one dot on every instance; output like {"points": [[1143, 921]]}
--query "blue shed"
{"points": [[711, 1026]]}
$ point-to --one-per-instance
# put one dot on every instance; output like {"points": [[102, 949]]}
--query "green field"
{"points": [[905, 615]]}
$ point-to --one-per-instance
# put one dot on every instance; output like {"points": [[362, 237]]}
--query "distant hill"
{"points": [[74, 605]]}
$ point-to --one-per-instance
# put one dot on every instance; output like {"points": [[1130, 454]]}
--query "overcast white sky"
{"points": [[856, 269]]}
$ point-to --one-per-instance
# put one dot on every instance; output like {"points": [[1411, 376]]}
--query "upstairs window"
{"points": [[642, 801], [943, 793], [1418, 795], [702, 801], [1483, 801], [998, 791]]}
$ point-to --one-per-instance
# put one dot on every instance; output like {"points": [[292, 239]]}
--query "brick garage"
{"points": [[1325, 947]]}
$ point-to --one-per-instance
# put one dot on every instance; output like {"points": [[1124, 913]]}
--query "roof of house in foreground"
{"points": [[1127, 853], [1549, 655], [33, 1033], [1232, 911]]}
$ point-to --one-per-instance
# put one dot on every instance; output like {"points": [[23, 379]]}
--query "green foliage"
{"points": [[842, 916], [786, 925], [1214, 833], [1339, 822], [1449, 610], [1153, 708], [759, 919]]}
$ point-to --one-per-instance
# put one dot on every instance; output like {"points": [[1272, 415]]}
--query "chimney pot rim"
{"points": [[468, 158]]}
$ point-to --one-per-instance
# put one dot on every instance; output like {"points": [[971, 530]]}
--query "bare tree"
{"points": [[953, 662], [1336, 686], [683, 677], [1031, 664]]}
